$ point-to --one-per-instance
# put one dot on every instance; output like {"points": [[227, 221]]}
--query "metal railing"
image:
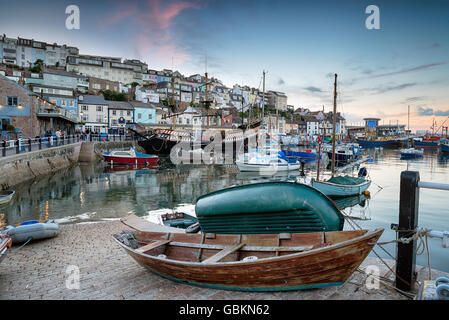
{"points": [[19, 146]]}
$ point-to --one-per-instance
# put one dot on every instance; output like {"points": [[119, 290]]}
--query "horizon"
{"points": [[301, 45]]}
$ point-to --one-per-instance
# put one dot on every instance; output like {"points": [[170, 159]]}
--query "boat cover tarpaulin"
{"points": [[347, 180]]}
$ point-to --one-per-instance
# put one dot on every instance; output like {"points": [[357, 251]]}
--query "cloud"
{"points": [[393, 88], [152, 21], [423, 111], [313, 89], [412, 99], [406, 70]]}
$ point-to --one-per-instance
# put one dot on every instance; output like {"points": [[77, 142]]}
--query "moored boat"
{"points": [[247, 262], [32, 230], [444, 145], [268, 207], [342, 186], [411, 153], [6, 196], [129, 157], [365, 143], [427, 141], [5, 244]]}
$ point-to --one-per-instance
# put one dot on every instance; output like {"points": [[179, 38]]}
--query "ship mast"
{"points": [[333, 126]]}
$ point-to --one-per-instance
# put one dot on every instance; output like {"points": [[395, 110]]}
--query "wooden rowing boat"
{"points": [[251, 262]]}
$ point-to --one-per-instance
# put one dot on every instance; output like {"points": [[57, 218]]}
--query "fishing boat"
{"points": [[343, 152], [129, 157], [6, 196], [306, 154], [342, 186], [444, 145], [269, 207], [31, 230], [427, 141], [5, 244], [411, 153], [381, 142], [248, 262]]}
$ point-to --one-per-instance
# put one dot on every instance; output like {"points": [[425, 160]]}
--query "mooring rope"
{"points": [[23, 245]]}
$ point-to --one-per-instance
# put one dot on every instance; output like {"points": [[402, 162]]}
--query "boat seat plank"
{"points": [[152, 245], [223, 253], [244, 248]]}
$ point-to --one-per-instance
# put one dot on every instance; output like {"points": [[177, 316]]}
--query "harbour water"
{"points": [[93, 192]]}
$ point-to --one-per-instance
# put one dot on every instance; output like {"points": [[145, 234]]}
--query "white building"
{"points": [[93, 111], [108, 68], [146, 95]]}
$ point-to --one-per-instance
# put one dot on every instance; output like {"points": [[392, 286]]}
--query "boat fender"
{"points": [[443, 292], [194, 228], [250, 258], [162, 256]]}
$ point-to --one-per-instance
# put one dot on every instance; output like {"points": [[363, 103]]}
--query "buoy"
{"points": [[366, 193], [441, 280]]}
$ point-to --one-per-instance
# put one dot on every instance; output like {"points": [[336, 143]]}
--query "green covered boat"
{"points": [[271, 207]]}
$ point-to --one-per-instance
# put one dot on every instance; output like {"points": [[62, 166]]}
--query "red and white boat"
{"points": [[129, 157], [5, 244]]}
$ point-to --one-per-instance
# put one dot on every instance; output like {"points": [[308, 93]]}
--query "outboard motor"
{"points": [[302, 174], [362, 172]]}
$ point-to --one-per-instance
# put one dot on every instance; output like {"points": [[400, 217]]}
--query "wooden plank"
{"points": [[200, 251], [245, 248], [152, 245], [223, 253]]}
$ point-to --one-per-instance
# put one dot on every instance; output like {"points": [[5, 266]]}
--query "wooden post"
{"points": [[3, 148], [29, 144], [408, 220]]}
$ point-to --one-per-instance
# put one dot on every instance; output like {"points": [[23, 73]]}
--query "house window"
{"points": [[114, 112], [139, 116], [99, 108], [114, 122], [12, 101], [128, 113], [150, 117], [85, 108], [99, 118], [85, 118]]}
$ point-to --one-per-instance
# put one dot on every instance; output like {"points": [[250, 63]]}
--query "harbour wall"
{"points": [[24, 167]]}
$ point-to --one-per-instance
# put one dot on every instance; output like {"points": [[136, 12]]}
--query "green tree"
{"points": [[38, 64]]}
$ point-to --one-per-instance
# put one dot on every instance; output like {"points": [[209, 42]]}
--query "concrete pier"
{"points": [[22, 167], [41, 270]]}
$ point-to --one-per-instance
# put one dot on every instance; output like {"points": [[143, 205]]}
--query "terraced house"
{"points": [[24, 113]]}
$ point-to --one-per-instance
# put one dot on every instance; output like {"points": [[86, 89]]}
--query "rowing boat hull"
{"points": [[320, 267], [340, 190], [270, 207], [131, 160]]}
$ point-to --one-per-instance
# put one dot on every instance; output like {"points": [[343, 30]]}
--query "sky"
{"points": [[301, 45]]}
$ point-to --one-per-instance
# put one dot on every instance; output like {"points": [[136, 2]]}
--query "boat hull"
{"points": [[130, 160], [321, 267], [269, 207], [444, 148], [35, 231], [6, 196], [425, 144], [266, 168], [374, 144], [339, 190]]}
